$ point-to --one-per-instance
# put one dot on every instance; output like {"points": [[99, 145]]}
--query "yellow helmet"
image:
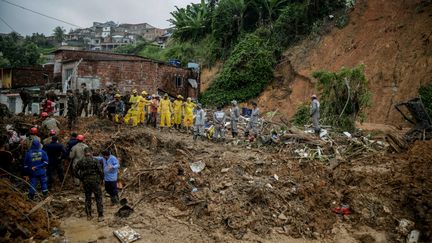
{"points": [[179, 97], [117, 95], [189, 99], [134, 91], [144, 93], [153, 95]]}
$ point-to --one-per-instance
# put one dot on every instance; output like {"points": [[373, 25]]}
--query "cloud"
{"points": [[84, 12]]}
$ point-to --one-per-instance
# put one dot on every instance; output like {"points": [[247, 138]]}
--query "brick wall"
{"points": [[25, 77]]}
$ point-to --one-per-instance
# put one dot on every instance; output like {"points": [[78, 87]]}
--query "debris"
{"points": [[225, 170], [39, 205], [344, 210], [347, 134], [197, 166], [405, 226], [127, 234], [282, 217], [413, 237], [276, 177]]}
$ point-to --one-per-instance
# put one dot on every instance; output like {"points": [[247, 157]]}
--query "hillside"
{"points": [[393, 39]]}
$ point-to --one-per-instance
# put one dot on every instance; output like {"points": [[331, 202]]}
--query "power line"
{"points": [[10, 27], [54, 18]]}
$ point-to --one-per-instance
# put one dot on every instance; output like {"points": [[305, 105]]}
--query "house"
{"points": [[101, 69], [33, 79]]}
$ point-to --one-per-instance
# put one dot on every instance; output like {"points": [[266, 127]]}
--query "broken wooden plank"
{"points": [[40, 204]]}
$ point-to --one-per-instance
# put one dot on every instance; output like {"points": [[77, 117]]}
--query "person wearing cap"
{"points": [[118, 109], [178, 111], [35, 163], [154, 107], [132, 114], [235, 115], [111, 167], [253, 121], [219, 120], [76, 154], [165, 109], [48, 124], [33, 135], [142, 105], [72, 105], [89, 170], [188, 108], [56, 152], [47, 140], [200, 119], [315, 114], [84, 100], [134, 97]]}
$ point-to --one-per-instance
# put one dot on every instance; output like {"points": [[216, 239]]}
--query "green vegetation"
{"points": [[17, 51], [245, 73], [344, 96], [425, 93], [59, 33], [301, 117]]}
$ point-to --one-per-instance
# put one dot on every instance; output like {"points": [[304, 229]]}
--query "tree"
{"points": [[17, 51], [59, 33], [192, 22]]}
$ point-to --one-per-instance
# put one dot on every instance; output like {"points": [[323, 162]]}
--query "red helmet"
{"points": [[33, 130], [52, 132], [44, 114], [80, 137]]}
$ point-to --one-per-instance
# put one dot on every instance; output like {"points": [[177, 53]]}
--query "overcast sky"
{"points": [[83, 13]]}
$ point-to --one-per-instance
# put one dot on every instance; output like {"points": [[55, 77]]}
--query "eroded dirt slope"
{"points": [[393, 39]]}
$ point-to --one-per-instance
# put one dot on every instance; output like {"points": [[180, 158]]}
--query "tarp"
{"points": [[193, 83]]}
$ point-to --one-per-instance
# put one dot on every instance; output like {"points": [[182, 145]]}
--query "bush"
{"points": [[301, 117], [344, 96], [425, 93], [245, 74]]}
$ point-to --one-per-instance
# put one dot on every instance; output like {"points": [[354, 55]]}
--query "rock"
{"points": [[405, 226], [282, 217], [386, 209], [225, 170]]}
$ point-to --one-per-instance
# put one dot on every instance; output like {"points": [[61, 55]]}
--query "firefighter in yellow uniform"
{"points": [[178, 111], [165, 109], [142, 105], [133, 112], [188, 107]]}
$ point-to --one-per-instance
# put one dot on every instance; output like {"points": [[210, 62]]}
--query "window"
{"points": [[178, 81], [68, 73]]}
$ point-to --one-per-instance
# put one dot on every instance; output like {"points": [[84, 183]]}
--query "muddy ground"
{"points": [[248, 193]]}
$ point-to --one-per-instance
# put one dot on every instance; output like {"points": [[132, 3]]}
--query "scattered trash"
{"points": [[405, 226], [344, 209], [194, 189], [282, 217], [276, 177], [124, 212], [323, 133], [269, 185], [413, 237], [197, 166], [347, 134], [225, 170], [127, 234]]}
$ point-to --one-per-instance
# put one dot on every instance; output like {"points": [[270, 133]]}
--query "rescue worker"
{"points": [[72, 142], [315, 114], [125, 98], [165, 109], [116, 112], [31, 138], [48, 124], [35, 163], [89, 170], [219, 119], [47, 106], [253, 121], [96, 101], [188, 113], [26, 100], [76, 154], [199, 122], [78, 101], [51, 134], [132, 114], [235, 115], [154, 107], [71, 109], [111, 166], [178, 111], [141, 106], [84, 100], [56, 152]]}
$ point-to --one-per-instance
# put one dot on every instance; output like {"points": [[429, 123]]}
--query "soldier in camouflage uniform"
{"points": [[84, 100], [71, 109], [90, 172]]}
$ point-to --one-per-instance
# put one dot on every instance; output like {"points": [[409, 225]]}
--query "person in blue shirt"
{"points": [[56, 152], [35, 162], [111, 167]]}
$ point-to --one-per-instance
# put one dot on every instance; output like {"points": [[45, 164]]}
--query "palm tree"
{"points": [[191, 22], [59, 34]]}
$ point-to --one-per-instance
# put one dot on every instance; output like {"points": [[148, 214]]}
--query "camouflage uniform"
{"points": [[71, 111], [84, 102], [90, 172]]}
